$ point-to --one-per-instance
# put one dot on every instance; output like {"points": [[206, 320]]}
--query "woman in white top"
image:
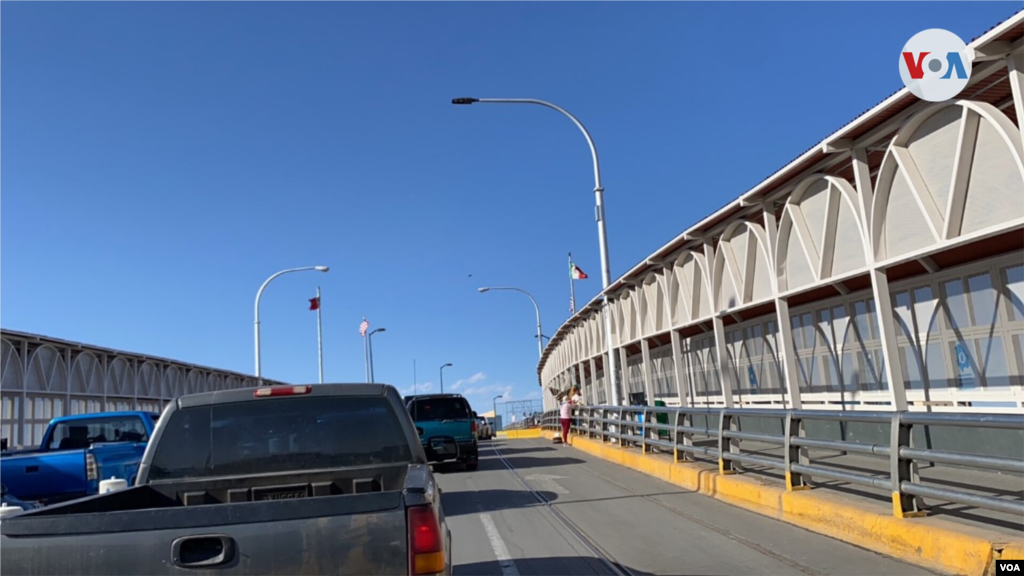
{"points": [[565, 412]]}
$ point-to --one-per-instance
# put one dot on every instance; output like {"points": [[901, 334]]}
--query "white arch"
{"points": [[694, 281], [12, 376], [194, 382], [120, 378], [831, 238], [46, 371], [173, 383], [954, 169], [742, 273], [87, 374], [148, 382]]}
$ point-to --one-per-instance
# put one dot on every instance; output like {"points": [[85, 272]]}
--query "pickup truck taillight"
{"points": [[473, 426], [91, 470], [426, 544]]}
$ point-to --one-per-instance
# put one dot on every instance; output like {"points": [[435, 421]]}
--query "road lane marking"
{"points": [[613, 565], [548, 482], [508, 567]]}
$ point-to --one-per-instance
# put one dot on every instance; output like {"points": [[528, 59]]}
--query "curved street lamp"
{"points": [[494, 406], [259, 294], [441, 377], [369, 347], [540, 341], [602, 234]]}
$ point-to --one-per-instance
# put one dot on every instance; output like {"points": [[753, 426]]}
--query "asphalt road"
{"points": [[627, 523]]}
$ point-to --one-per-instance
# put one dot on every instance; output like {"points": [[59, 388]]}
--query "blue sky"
{"points": [[160, 160]]}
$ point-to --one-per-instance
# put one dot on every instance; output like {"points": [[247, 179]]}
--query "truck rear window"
{"points": [[82, 433], [427, 409], [279, 435]]}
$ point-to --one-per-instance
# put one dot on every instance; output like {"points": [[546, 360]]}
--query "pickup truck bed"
{"points": [[330, 520], [300, 526]]}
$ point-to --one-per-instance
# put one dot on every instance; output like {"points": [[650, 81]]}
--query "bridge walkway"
{"points": [[533, 508]]}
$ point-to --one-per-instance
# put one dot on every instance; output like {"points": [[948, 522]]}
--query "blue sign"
{"points": [[963, 363], [752, 376]]}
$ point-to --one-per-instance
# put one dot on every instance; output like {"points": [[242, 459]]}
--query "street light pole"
{"points": [[494, 406], [369, 346], [602, 233], [540, 335], [259, 294], [441, 377]]}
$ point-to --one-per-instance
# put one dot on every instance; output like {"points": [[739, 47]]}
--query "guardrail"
{"points": [[638, 426]]}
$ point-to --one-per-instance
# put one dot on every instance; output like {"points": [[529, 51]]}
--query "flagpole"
{"points": [[572, 287], [319, 335]]}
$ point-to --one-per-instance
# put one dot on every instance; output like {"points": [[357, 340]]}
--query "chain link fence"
{"points": [[518, 414]]}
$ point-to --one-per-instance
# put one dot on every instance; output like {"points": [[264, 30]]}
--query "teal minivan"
{"points": [[447, 427]]}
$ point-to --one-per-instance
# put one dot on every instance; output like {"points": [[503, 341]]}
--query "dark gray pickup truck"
{"points": [[324, 479]]}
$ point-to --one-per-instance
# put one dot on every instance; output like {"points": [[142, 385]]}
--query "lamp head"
{"points": [[323, 268], [447, 365], [381, 330], [482, 290], [460, 101]]}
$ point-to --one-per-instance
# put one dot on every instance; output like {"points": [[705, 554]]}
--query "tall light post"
{"points": [[540, 340], [441, 377], [494, 406], [259, 294], [602, 234], [369, 345]]}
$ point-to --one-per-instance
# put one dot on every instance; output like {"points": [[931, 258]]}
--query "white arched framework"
{"points": [[953, 170], [43, 378], [743, 273], [790, 303], [821, 234]]}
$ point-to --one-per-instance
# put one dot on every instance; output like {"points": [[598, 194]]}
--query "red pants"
{"points": [[565, 429]]}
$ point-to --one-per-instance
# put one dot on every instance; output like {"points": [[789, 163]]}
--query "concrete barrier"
{"points": [[514, 434], [933, 543]]}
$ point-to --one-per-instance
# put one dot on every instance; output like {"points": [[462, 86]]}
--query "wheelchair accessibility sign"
{"points": [[963, 363]]}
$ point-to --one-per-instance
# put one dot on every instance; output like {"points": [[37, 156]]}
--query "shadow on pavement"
{"points": [[513, 449], [488, 462], [481, 501], [524, 462], [554, 566]]}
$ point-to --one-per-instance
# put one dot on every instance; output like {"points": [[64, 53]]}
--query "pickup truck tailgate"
{"points": [[357, 535]]}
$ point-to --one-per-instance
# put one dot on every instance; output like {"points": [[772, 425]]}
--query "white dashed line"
{"points": [[508, 567]]}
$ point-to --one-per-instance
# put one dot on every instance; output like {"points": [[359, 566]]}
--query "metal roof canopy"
{"points": [[987, 49]]}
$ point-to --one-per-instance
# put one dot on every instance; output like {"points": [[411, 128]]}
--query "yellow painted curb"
{"points": [[930, 542], [513, 434]]}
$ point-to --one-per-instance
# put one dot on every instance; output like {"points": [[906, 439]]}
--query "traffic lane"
{"points": [[660, 527], [500, 529]]}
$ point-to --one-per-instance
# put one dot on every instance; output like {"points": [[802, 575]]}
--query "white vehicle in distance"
{"points": [[484, 429]]}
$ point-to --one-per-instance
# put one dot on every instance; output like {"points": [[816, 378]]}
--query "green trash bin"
{"points": [[662, 419]]}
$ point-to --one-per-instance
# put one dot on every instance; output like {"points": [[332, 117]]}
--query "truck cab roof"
{"points": [[93, 415], [428, 396]]}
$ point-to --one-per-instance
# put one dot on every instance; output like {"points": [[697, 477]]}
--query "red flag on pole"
{"points": [[314, 303]]}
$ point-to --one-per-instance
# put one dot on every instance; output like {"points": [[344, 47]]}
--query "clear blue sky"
{"points": [[160, 160]]}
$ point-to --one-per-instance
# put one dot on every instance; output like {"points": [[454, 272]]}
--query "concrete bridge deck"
{"points": [[534, 508]]}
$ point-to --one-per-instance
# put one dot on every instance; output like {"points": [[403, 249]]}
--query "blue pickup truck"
{"points": [[447, 427], [76, 453]]}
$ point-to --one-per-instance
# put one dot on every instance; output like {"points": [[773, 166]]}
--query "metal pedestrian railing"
{"points": [[673, 429]]}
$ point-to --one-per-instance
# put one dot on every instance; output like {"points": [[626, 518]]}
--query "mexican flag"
{"points": [[575, 272]]}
